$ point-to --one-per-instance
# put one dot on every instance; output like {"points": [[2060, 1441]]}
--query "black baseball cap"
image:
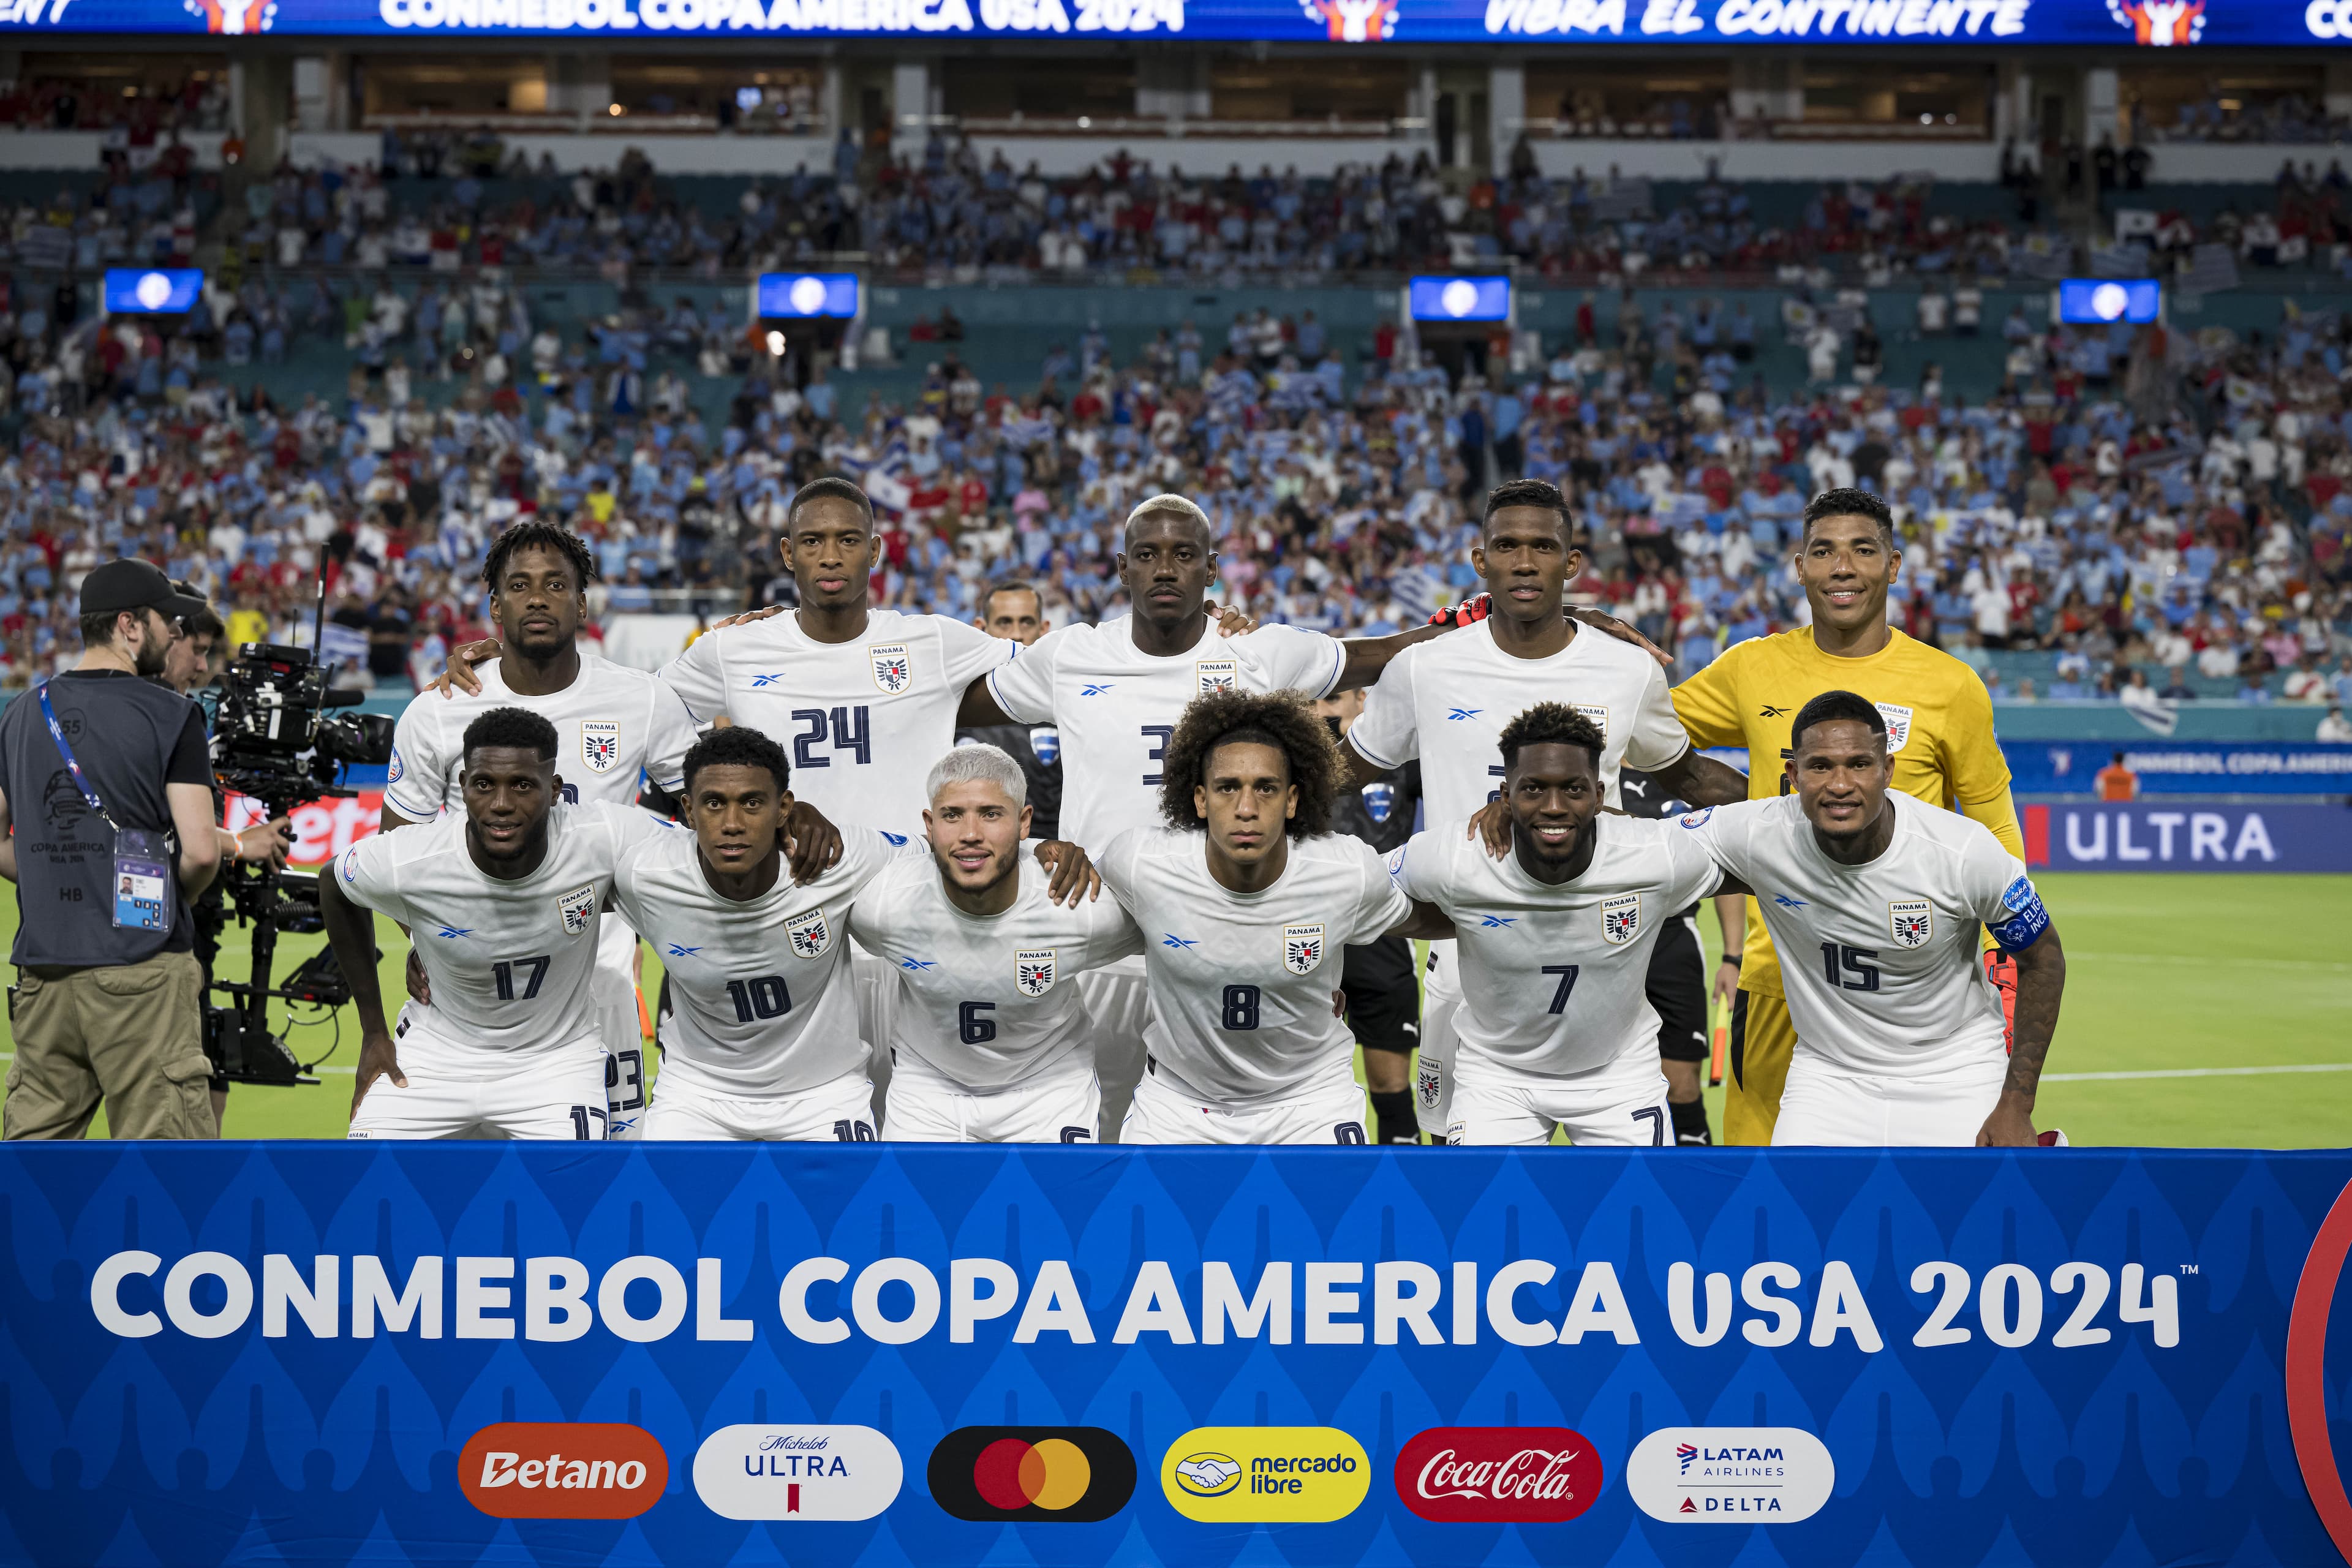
{"points": [[135, 585]]}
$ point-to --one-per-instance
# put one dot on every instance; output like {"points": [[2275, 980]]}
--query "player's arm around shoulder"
{"points": [[419, 768], [1725, 835], [1417, 869], [1019, 689]]}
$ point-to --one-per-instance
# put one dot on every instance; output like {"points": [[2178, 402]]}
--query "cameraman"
{"points": [[113, 783], [188, 664]]}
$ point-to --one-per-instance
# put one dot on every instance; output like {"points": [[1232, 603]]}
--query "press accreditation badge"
{"points": [[143, 882]]}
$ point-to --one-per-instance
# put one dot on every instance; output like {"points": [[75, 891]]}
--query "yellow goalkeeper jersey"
{"points": [[1938, 730]]}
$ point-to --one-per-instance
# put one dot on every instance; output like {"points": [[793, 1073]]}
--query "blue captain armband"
{"points": [[2023, 920]]}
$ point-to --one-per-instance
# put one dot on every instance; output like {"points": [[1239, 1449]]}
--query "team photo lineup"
{"points": [[863, 933]]}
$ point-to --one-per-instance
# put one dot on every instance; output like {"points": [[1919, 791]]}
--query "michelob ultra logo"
{"points": [[562, 1470], [1302, 1475], [794, 1472]]}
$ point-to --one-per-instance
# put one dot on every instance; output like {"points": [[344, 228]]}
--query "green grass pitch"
{"points": [[2165, 973]]}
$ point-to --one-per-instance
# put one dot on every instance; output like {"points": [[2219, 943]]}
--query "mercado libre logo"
{"points": [[1238, 1475], [1036, 1475], [562, 1470], [2319, 1297]]}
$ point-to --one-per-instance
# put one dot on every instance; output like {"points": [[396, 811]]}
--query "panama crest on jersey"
{"points": [[600, 745], [1302, 948], [1913, 922], [1218, 674], [1033, 971], [1596, 712], [809, 934], [1620, 918], [894, 669], [1898, 724], [578, 907]]}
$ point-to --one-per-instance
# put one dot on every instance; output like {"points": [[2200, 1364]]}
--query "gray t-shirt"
{"points": [[132, 738]]}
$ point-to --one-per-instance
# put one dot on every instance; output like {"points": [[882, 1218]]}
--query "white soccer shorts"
{"points": [[1826, 1104], [1329, 1112], [612, 993], [1119, 1001], [841, 1111], [1608, 1107], [1432, 1078], [1058, 1106], [557, 1096]]}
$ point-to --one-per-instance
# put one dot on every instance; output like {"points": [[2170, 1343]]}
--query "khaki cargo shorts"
{"points": [[131, 1035]]}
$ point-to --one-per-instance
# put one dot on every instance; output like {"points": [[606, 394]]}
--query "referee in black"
{"points": [[1379, 981], [1678, 978], [1014, 610]]}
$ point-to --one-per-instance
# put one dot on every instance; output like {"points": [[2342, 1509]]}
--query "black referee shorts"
{"points": [[1383, 995], [1677, 989]]}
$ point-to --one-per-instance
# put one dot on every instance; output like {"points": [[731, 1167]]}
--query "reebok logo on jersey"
{"points": [[456, 930], [1302, 948], [1459, 715], [1095, 688], [1496, 922], [919, 965], [1033, 971], [1770, 711], [678, 952], [1786, 902], [760, 681], [1173, 940], [809, 934]]}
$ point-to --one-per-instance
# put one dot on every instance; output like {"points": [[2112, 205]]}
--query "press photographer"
{"points": [[106, 778]]}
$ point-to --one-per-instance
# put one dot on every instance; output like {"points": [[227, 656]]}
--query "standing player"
{"points": [[1012, 609], [1679, 988], [990, 1042], [1380, 980], [502, 896], [616, 727], [1875, 900], [1940, 737], [1241, 897], [1554, 943], [1447, 703]]}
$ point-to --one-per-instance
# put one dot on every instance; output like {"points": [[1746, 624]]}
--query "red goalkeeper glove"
{"points": [[1469, 612]]}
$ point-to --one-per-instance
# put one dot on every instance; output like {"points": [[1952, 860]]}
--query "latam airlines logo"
{"points": [[1498, 1475], [1731, 1475]]}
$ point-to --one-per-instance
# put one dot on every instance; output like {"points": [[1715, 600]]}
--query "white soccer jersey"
{"points": [[612, 724], [509, 961], [1242, 982], [1117, 707], [862, 720], [763, 1006], [1880, 962], [988, 1003], [1447, 701], [1555, 977]]}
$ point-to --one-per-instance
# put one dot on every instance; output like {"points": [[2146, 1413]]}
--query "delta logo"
{"points": [[1731, 1475], [1243, 1475], [815, 1473], [1031, 1474], [1354, 21], [1498, 1475], [562, 1470]]}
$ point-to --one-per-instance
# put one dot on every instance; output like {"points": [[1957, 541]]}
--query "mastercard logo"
{"points": [[1039, 1475]]}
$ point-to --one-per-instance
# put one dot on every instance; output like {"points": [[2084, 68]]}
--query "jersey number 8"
{"points": [[1241, 1007]]}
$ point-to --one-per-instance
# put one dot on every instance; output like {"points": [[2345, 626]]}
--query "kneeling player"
{"points": [[1556, 1028], [502, 900], [990, 1042], [1874, 899], [763, 1040], [1243, 900]]}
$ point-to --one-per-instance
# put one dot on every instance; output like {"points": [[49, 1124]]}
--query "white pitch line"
{"points": [[2235, 962], [2191, 1072]]}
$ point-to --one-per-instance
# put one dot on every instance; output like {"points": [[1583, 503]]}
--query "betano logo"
{"points": [[1299, 1475], [1037, 1475], [1731, 1475], [562, 1470]]}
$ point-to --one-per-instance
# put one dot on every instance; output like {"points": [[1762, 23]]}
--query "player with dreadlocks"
{"points": [[614, 726], [1247, 898]]}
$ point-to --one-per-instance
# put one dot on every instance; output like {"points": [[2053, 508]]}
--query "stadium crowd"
{"points": [[2163, 515]]}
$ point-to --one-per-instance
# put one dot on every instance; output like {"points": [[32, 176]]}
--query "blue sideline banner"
{"points": [[873, 1356], [2186, 835], [2183, 767], [1358, 23]]}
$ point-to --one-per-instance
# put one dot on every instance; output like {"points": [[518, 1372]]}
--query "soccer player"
{"points": [[1940, 737], [1242, 898], [1381, 979], [1012, 610], [991, 1040], [1874, 901], [1555, 941], [616, 726], [502, 896], [1447, 702]]}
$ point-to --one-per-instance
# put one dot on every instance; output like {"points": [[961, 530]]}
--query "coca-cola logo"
{"points": [[1498, 1475]]}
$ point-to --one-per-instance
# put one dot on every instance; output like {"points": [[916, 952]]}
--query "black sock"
{"points": [[1690, 1123], [1393, 1112]]}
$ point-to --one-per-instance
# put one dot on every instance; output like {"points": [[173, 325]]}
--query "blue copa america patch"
{"points": [[2026, 919]]}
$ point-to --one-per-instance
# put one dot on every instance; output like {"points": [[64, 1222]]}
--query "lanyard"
{"points": [[57, 733]]}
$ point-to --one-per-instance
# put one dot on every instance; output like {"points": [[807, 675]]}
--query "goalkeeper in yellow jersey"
{"points": [[1938, 733]]}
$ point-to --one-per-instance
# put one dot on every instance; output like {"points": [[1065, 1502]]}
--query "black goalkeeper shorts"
{"points": [[1677, 989], [1383, 995]]}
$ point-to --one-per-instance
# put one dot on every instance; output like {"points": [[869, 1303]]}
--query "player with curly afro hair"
{"points": [[1283, 722]]}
